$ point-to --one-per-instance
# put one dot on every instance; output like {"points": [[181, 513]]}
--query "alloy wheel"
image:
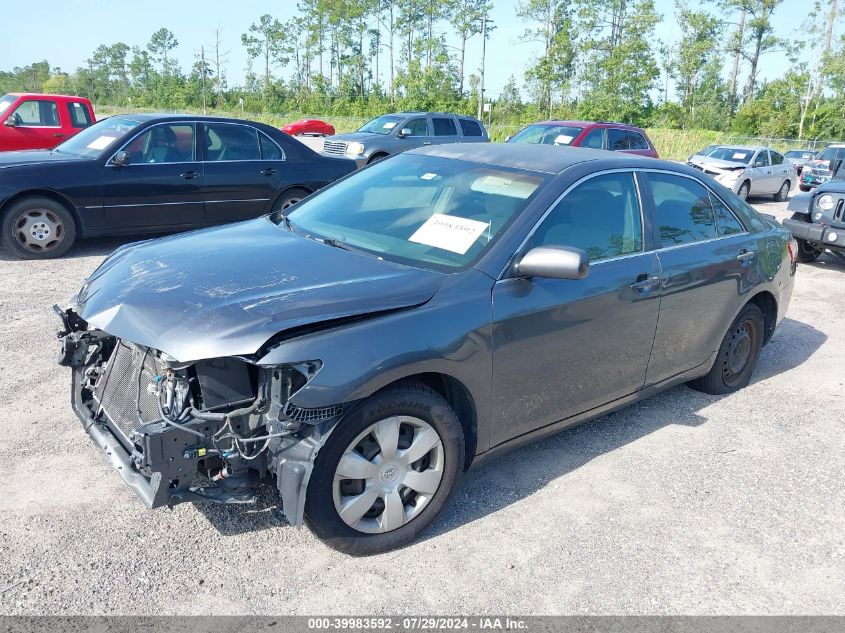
{"points": [[388, 474], [39, 230], [743, 191], [287, 204]]}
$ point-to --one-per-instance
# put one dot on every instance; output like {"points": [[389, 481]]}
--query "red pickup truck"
{"points": [[36, 121]]}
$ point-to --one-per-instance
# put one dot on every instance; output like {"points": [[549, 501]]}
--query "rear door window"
{"points": [[444, 126], [226, 142], [617, 139], [726, 222], [79, 117], [470, 128], [636, 140], [269, 149], [683, 212]]}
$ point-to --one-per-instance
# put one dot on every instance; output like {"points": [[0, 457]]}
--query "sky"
{"points": [[76, 27]]}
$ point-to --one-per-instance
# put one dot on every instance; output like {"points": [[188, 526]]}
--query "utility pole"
{"points": [[202, 64], [484, 21]]}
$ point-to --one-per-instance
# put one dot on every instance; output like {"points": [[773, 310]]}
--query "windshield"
{"points": [[547, 134], [830, 153], [707, 150], [732, 154], [382, 125], [799, 154], [6, 101], [421, 210], [92, 141]]}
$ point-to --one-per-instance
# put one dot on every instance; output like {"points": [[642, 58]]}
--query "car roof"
{"points": [[540, 158], [32, 95], [752, 148], [627, 126], [143, 117]]}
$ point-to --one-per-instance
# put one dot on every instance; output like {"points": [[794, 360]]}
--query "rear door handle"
{"points": [[644, 283], [426, 142], [190, 175], [745, 256], [268, 172]]}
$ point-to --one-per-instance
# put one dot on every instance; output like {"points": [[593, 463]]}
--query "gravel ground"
{"points": [[684, 503]]}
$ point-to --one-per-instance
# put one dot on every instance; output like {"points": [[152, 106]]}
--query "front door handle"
{"points": [[644, 283], [268, 172], [426, 142], [745, 256], [190, 175]]}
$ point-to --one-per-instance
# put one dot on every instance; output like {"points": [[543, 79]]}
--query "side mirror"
{"points": [[405, 132], [554, 262], [10, 122], [508, 137], [121, 159]]}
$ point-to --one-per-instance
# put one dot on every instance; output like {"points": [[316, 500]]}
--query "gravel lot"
{"points": [[684, 503]]}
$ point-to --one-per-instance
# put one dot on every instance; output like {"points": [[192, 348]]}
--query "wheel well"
{"points": [[769, 307], [288, 190], [376, 156], [45, 193], [459, 398]]}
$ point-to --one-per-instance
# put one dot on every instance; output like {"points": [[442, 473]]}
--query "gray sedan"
{"points": [[366, 347], [747, 170]]}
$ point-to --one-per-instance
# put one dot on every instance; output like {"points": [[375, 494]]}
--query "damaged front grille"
{"points": [[121, 392]]}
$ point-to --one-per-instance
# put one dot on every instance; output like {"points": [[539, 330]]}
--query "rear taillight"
{"points": [[792, 247]]}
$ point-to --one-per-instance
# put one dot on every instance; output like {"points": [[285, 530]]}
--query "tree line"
{"points": [[594, 59]]}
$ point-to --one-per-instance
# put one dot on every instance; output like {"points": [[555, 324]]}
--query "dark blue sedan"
{"points": [[152, 173]]}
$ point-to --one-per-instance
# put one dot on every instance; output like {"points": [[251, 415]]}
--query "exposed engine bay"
{"points": [[204, 430]]}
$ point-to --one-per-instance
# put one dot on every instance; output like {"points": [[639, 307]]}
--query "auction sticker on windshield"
{"points": [[101, 143], [449, 232]]}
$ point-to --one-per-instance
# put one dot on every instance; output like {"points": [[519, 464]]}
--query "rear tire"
{"points": [[783, 192], [738, 354], [38, 228], [289, 198], [392, 501]]}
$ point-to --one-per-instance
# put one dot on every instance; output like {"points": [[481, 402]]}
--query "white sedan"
{"points": [[748, 170]]}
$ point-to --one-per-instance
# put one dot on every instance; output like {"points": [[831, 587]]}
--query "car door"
{"points": [[761, 173], [561, 347], [420, 134], [638, 145], [161, 184], [593, 139], [708, 263], [35, 124], [445, 130], [242, 171]]}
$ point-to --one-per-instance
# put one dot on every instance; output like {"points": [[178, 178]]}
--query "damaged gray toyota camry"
{"points": [[368, 346]]}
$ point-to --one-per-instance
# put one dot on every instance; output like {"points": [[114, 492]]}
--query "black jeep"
{"points": [[818, 218]]}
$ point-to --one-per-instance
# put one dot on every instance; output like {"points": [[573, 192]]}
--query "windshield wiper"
{"points": [[330, 241]]}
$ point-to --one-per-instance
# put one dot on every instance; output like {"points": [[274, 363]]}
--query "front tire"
{"points": [[386, 471], [804, 188], [738, 354], [743, 190], [38, 228]]}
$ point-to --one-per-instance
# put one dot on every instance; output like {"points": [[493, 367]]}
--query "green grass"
{"points": [[671, 144]]}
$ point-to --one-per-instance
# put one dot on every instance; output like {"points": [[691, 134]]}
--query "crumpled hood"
{"points": [[225, 291], [32, 157]]}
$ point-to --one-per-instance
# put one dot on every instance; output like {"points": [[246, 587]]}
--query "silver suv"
{"points": [[395, 133]]}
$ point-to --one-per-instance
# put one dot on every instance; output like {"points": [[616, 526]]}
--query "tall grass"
{"points": [[670, 144]]}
